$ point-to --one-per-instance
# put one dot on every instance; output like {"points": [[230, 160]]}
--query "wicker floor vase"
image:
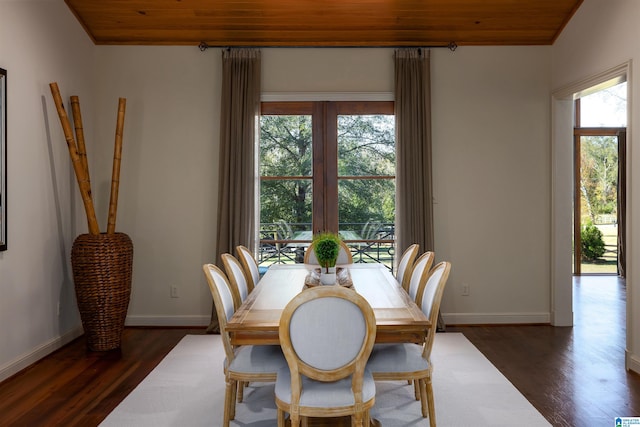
{"points": [[102, 267]]}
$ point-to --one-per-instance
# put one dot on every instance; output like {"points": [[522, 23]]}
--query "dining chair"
{"points": [[237, 279], [250, 265], [405, 265], [411, 283], [326, 334], [255, 363], [419, 275], [344, 256], [240, 288], [407, 361]]}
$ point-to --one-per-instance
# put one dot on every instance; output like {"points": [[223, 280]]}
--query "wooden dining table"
{"points": [[398, 318]]}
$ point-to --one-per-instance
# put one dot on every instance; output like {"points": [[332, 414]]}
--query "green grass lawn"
{"points": [[608, 264]]}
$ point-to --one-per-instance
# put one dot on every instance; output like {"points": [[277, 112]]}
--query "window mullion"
{"points": [[318, 167], [331, 167]]}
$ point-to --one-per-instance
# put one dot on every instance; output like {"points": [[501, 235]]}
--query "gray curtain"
{"points": [[414, 199], [239, 112]]}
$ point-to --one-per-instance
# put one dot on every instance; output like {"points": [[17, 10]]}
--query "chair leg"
{"points": [[423, 397], [240, 392], [280, 418], [416, 389], [357, 420], [232, 407], [295, 419], [430, 400], [228, 403], [361, 419]]}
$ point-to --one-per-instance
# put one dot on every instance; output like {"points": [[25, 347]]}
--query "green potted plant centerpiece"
{"points": [[326, 247]]}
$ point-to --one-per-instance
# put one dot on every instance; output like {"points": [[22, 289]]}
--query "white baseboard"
{"points": [[185, 321], [495, 318], [38, 353], [560, 318], [632, 362]]}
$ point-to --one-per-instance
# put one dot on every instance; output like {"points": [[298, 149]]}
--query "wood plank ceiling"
{"points": [[297, 23]]}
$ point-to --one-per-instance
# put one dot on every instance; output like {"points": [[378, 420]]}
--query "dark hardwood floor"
{"points": [[77, 387], [574, 376]]}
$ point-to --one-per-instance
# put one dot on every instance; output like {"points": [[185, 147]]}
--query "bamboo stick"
{"points": [[115, 173], [83, 182], [77, 123]]}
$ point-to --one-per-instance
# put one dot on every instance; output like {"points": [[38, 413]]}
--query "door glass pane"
{"points": [[605, 108], [367, 217], [366, 145], [285, 146], [286, 167], [599, 204], [366, 185]]}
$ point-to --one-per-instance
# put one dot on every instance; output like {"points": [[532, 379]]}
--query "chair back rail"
{"points": [[405, 265], [250, 266], [237, 278], [419, 275]]}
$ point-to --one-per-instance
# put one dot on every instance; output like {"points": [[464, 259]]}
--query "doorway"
{"points": [[599, 179], [563, 185]]}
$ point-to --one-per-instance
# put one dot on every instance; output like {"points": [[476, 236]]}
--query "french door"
{"points": [[599, 193], [327, 166]]}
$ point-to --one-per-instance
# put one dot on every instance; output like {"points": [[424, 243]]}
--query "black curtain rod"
{"points": [[452, 46]]}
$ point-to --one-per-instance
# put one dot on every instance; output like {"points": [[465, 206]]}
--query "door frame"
{"points": [[579, 132], [562, 124]]}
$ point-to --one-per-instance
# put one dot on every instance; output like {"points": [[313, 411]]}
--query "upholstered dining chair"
{"points": [[250, 266], [326, 334], [407, 361], [237, 279], [259, 363], [240, 288], [419, 275], [405, 265], [344, 255], [411, 283]]}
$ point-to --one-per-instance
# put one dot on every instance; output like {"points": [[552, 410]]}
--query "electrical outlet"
{"points": [[173, 291], [465, 290]]}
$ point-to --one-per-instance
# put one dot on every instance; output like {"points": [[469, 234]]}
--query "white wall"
{"points": [[291, 71], [168, 184], [601, 36], [490, 114], [40, 42]]}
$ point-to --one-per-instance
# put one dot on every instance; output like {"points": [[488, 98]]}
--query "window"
{"points": [[327, 166]]}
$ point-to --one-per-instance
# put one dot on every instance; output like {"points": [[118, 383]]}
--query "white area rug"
{"points": [[187, 389]]}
